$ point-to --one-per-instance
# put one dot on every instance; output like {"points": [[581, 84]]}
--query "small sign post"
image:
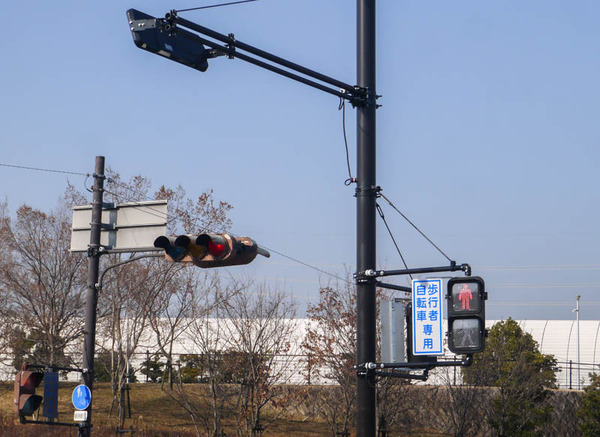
{"points": [[427, 317]]}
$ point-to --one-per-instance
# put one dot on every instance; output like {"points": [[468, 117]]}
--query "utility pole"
{"points": [[171, 37], [91, 305], [578, 346], [366, 195]]}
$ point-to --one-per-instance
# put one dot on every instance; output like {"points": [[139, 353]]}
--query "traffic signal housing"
{"points": [[26, 401], [210, 250], [466, 314], [158, 36]]}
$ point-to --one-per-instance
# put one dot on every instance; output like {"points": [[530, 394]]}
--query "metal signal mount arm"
{"points": [[234, 48]]}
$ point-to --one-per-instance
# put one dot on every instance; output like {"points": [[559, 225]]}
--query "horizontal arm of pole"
{"points": [[423, 377], [369, 367], [394, 287], [42, 422], [466, 268], [460, 363], [225, 50], [465, 362], [172, 16], [54, 368]]}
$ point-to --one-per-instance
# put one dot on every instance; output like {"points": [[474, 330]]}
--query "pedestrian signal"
{"points": [[210, 250], [466, 314]]}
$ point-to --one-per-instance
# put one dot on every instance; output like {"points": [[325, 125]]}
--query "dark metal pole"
{"points": [[570, 374], [366, 194], [94, 252]]}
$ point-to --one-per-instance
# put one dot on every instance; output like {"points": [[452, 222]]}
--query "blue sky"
{"points": [[487, 138]]}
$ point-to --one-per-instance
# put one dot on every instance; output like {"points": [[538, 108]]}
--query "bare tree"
{"points": [[330, 344], [171, 312], [465, 404], [207, 333], [43, 283], [207, 405], [259, 330], [131, 292]]}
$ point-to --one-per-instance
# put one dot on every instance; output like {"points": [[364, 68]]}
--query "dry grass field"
{"points": [[153, 413]]}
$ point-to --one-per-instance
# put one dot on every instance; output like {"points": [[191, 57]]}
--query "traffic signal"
{"points": [[26, 401], [158, 36], [210, 250], [466, 314]]}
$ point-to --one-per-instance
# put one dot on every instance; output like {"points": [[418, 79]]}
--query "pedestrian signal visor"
{"points": [[466, 314]]}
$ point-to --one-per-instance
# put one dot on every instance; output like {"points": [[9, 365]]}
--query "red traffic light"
{"points": [[26, 401], [216, 249], [217, 246]]}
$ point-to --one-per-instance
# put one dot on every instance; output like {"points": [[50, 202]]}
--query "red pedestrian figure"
{"points": [[465, 296]]}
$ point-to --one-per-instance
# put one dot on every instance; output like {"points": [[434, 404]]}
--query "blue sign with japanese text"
{"points": [[427, 317]]}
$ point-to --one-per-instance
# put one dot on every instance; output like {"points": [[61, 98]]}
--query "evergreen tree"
{"points": [[524, 376], [589, 409]]}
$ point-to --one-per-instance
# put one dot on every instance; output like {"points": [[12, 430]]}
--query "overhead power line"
{"points": [[22, 167], [305, 264], [544, 268], [216, 5], [536, 304], [123, 185], [551, 285]]}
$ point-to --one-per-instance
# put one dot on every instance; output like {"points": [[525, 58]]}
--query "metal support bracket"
{"points": [[231, 46], [361, 97], [97, 251]]}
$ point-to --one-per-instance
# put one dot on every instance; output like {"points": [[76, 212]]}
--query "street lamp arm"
{"points": [[130, 260], [184, 41], [231, 42]]}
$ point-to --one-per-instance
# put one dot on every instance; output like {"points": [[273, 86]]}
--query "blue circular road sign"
{"points": [[82, 397]]}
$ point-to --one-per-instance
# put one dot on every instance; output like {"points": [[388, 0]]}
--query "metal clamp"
{"points": [[361, 96], [366, 192], [230, 46]]}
